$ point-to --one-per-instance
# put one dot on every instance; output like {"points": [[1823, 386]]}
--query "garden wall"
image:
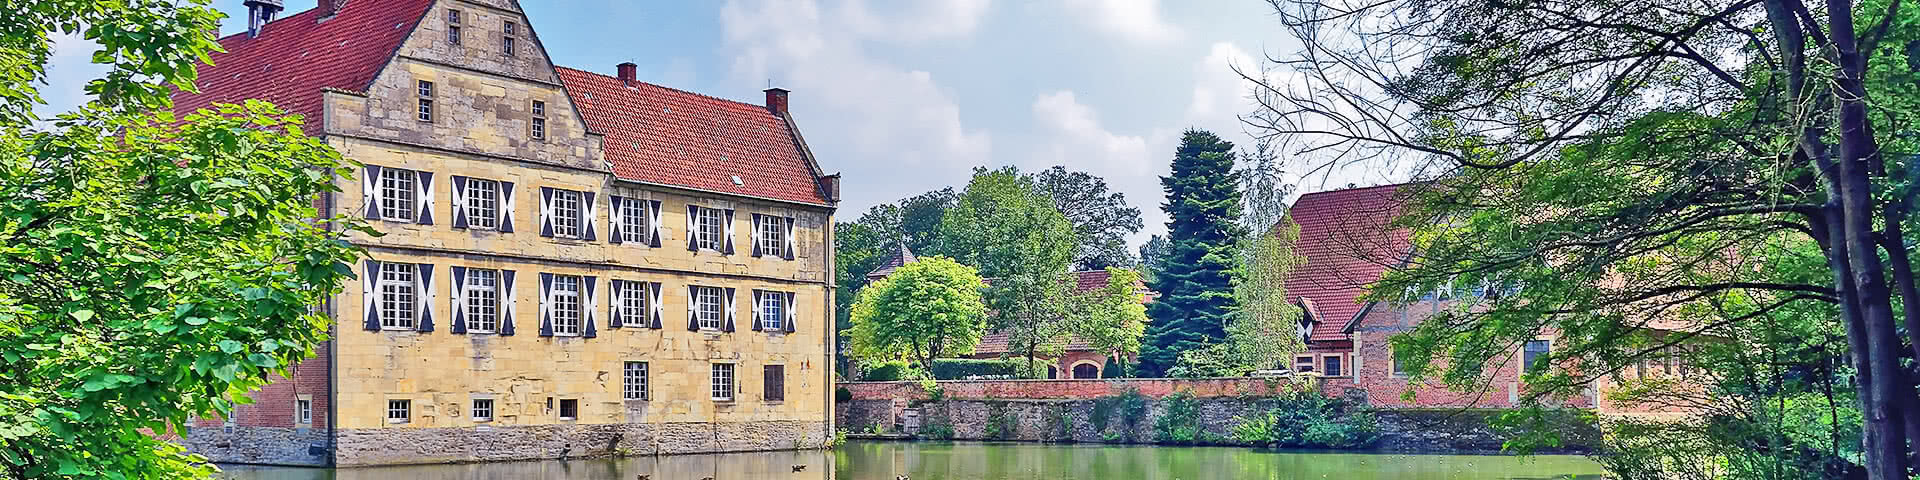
{"points": [[1097, 411]]}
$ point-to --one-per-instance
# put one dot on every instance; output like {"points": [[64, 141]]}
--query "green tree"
{"points": [[1620, 166], [1265, 188], [1101, 219], [862, 245], [925, 310], [1112, 318], [1257, 336], [1196, 281], [154, 268], [1153, 255], [1024, 246]]}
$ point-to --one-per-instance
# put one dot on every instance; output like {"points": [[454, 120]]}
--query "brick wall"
{"points": [[273, 404], [1077, 389]]}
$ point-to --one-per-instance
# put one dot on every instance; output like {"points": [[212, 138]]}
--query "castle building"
{"points": [[572, 263]]}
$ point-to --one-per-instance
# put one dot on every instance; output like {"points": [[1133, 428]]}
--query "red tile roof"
{"points": [[994, 343], [1345, 238], [661, 135], [297, 56]]}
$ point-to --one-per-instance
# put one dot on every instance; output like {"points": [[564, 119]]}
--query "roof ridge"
{"points": [[1356, 189], [664, 87]]}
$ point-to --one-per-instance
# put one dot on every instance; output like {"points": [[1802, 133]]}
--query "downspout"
{"points": [[828, 328], [333, 352]]}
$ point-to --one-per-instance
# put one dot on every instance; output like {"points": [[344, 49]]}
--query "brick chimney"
{"points": [[330, 7], [259, 12], [629, 73], [777, 100]]}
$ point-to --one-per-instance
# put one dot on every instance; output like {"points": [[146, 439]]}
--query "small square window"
{"points": [[1332, 363], [722, 382], [426, 88], [635, 375], [539, 108], [483, 409], [399, 411], [539, 128], [426, 110], [1303, 363], [569, 409]]}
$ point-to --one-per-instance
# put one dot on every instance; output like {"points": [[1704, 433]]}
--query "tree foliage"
{"points": [[1112, 318], [1101, 219], [1196, 281], [1623, 168], [923, 311], [1007, 227]]}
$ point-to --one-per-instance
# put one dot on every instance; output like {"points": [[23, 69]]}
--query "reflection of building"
{"points": [[1348, 244], [1078, 359], [535, 293]]}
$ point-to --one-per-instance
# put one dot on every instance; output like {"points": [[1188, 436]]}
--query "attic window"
{"points": [[453, 27], [736, 180], [508, 30]]}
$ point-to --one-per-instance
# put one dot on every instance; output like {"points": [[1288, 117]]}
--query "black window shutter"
{"points": [[459, 293], [654, 302], [423, 197], [693, 308], [506, 206], [424, 296], [755, 307], [589, 305], [546, 304], [791, 242], [653, 224], [753, 232], [587, 217], [370, 192], [459, 203], [546, 212], [790, 313], [726, 301], [616, 221], [693, 229], [616, 295], [506, 304], [370, 295], [728, 231]]}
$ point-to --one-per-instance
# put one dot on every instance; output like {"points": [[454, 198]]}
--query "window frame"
{"points": [[635, 218], [391, 287], [399, 195], [566, 292], [1527, 353], [719, 307], [481, 285], [425, 89], [720, 382], [570, 217], [537, 127], [402, 407], [634, 307], [713, 238], [303, 410], [1309, 365], [773, 310], [476, 409], [453, 26], [483, 204], [508, 30], [773, 383], [565, 405], [634, 381], [773, 235], [1332, 366]]}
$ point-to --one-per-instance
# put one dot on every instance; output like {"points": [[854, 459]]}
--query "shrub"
{"points": [[1113, 369], [1179, 424], [1309, 420], [961, 368], [892, 371], [940, 430], [1001, 422], [841, 394], [1131, 406]]}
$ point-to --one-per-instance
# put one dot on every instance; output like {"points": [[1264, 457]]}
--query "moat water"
{"points": [[983, 461]]}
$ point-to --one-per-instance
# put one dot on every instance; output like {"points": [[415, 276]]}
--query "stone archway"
{"points": [[1086, 369]]}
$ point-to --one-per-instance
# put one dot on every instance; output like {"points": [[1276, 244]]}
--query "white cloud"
{"points": [[884, 121], [1136, 20], [921, 20], [1079, 141], [1220, 96]]}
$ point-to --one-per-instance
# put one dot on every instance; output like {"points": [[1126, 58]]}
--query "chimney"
{"points": [[831, 184], [629, 73], [777, 100], [259, 12], [330, 7]]}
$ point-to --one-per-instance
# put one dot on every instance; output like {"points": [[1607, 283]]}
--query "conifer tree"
{"points": [[1196, 281]]}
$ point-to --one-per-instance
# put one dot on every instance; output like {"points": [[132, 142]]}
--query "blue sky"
{"points": [[904, 97]]}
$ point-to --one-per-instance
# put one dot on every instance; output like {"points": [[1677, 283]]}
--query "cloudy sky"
{"points": [[905, 97]]}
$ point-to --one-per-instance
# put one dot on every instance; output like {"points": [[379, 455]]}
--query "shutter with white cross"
{"points": [[729, 232], [546, 304], [589, 304], [727, 303], [616, 223], [546, 213], [507, 303], [586, 212], [506, 207], [370, 294], [654, 303], [423, 198], [757, 295], [423, 286], [790, 313], [459, 294], [653, 224], [693, 231], [693, 308], [788, 254], [616, 296], [459, 201], [370, 192], [753, 236]]}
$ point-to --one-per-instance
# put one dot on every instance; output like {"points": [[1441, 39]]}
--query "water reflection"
{"points": [[982, 461]]}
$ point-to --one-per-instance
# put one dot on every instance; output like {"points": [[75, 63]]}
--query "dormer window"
{"points": [[508, 31], [453, 27]]}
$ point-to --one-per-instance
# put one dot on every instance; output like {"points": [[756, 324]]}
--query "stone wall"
{"points": [[261, 445], [1085, 389], [359, 447]]}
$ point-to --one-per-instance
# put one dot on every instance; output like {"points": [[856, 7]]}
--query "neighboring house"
{"points": [[573, 263], [1078, 359], [1348, 243]]}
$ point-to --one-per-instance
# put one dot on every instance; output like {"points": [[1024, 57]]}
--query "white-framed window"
{"points": [[569, 408], [399, 411], [566, 213], [483, 204], [483, 409], [722, 381], [713, 228], [635, 386], [397, 194], [634, 221], [453, 27], [1303, 363], [426, 101], [397, 296], [507, 32], [709, 307], [566, 305], [303, 410], [633, 304], [773, 310], [482, 291], [773, 235], [539, 120], [1331, 365], [1532, 353]]}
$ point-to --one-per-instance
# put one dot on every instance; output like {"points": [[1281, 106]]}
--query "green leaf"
{"points": [[82, 315], [230, 346]]}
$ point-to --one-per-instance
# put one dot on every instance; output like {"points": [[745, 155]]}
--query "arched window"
{"points": [[1086, 370]]}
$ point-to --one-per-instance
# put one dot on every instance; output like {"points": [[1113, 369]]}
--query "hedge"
{"points": [[961, 368], [886, 372]]}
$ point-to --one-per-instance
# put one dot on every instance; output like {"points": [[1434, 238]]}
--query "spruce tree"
{"points": [[1196, 281]]}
